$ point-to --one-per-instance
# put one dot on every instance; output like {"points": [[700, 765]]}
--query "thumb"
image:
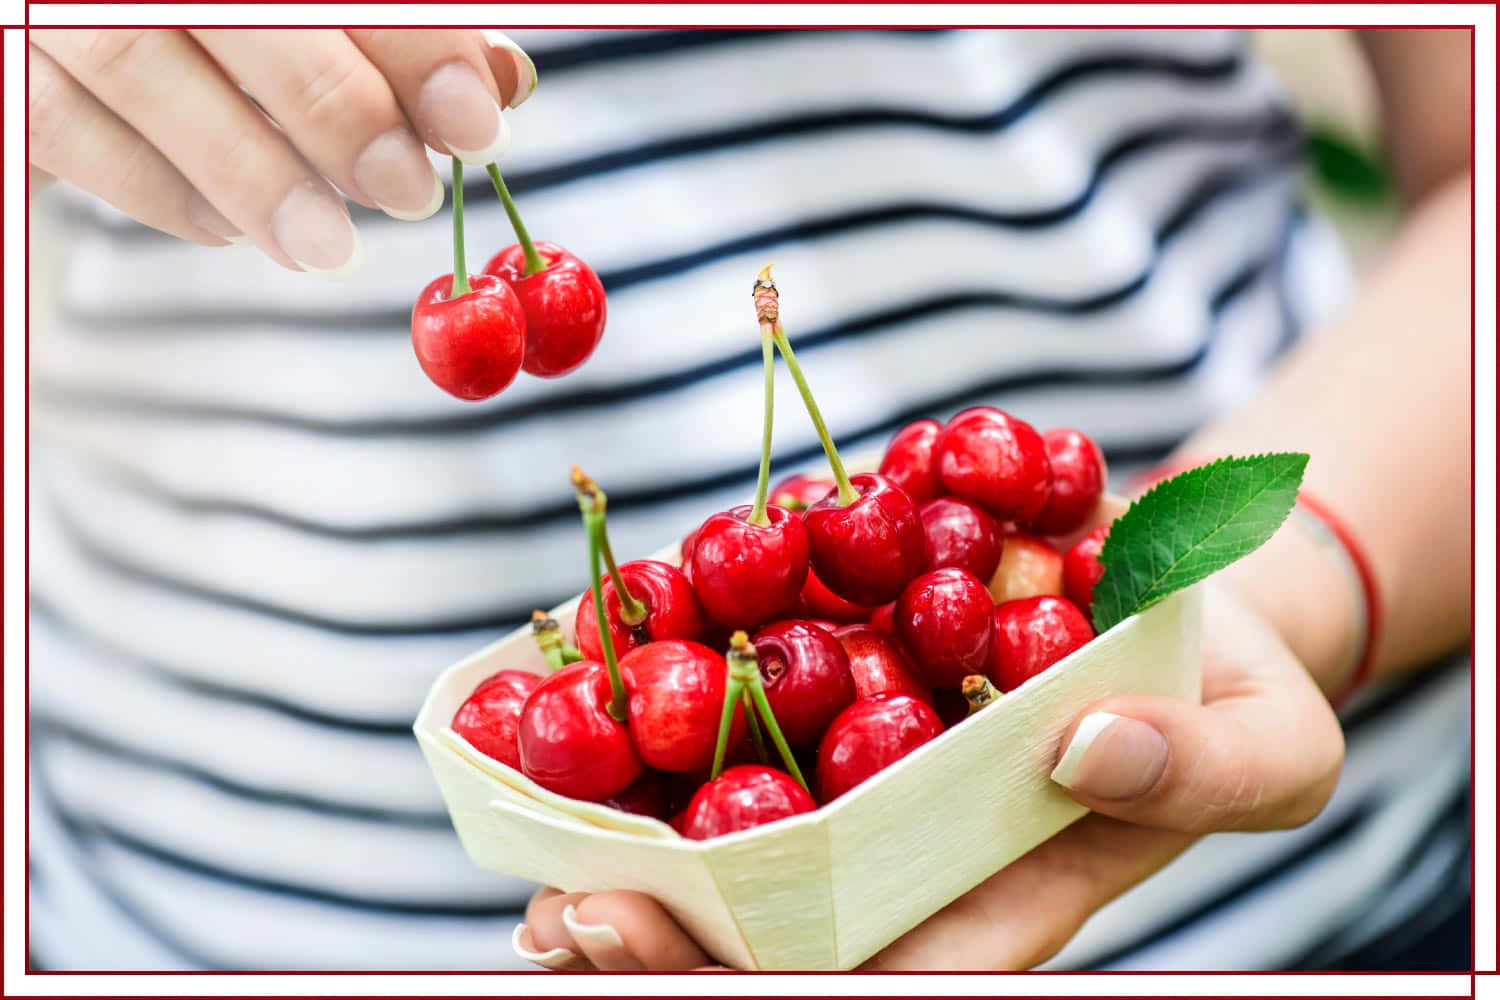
{"points": [[1263, 753]]}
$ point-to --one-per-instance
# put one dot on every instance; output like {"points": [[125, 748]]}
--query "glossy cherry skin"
{"points": [[884, 618], [944, 621], [564, 306], [743, 797], [645, 796], [488, 719], [824, 603], [672, 610], [866, 552], [1029, 567], [569, 743], [824, 624], [1078, 476], [806, 676], [869, 736], [1082, 568], [963, 535], [999, 462], [878, 665], [908, 460], [1032, 634], [747, 574], [799, 492], [471, 346], [676, 697]]}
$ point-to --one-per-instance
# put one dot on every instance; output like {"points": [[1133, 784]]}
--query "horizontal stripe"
{"points": [[96, 553]]}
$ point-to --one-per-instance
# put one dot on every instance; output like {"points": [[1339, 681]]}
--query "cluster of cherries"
{"points": [[861, 616], [535, 307]]}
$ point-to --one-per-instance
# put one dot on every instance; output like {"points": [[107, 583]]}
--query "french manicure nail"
{"points": [[609, 950], [313, 228], [205, 216], [457, 110], [1112, 757], [556, 958], [525, 68], [394, 171]]}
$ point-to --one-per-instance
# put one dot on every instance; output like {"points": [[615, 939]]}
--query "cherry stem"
{"points": [[978, 692], [549, 639], [534, 261], [768, 312], [460, 268], [763, 482], [755, 733], [744, 678], [632, 611], [591, 501]]}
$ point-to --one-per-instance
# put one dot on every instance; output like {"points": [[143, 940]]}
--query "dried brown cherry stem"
{"points": [[979, 692]]}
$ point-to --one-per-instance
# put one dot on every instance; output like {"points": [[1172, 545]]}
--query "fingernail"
{"points": [[608, 951], [1112, 757], [314, 229], [557, 958], [525, 68], [205, 216], [457, 110], [394, 171]]}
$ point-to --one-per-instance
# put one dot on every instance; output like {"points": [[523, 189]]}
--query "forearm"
{"points": [[1381, 401]]}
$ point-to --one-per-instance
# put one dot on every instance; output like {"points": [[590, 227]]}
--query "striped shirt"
{"points": [[258, 532]]}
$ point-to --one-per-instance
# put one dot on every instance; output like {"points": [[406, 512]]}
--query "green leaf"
{"points": [[1190, 526]]}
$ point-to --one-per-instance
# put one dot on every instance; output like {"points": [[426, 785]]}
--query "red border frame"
{"points": [[1473, 973]]}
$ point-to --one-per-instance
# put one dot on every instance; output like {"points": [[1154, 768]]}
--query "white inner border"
{"points": [[1483, 17]]}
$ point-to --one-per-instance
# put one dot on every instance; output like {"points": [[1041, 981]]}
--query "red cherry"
{"points": [[569, 742], [824, 624], [799, 492], [999, 462], [866, 552], [884, 618], [672, 610], [961, 534], [743, 797], [908, 460], [747, 574], [877, 664], [806, 675], [869, 736], [470, 346], [1082, 568], [489, 717], [645, 796], [944, 622], [685, 550], [824, 603], [1078, 476], [676, 698], [564, 306], [1032, 634], [1029, 567]]}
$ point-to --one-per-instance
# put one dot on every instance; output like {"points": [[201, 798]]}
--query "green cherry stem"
{"points": [[755, 734], [534, 261], [591, 501], [744, 677], [460, 268], [768, 311], [632, 610], [733, 689], [549, 639], [764, 295]]}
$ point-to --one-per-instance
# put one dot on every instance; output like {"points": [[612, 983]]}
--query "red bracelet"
{"points": [[1355, 552]]}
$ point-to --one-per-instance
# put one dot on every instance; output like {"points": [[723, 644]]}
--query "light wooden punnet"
{"points": [[831, 888]]}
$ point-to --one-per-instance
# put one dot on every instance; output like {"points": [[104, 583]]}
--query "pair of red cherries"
{"points": [[873, 589], [535, 307]]}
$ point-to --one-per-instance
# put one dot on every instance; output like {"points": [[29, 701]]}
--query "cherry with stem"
{"points": [[744, 680]]}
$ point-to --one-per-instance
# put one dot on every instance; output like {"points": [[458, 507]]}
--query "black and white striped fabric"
{"points": [[259, 533]]}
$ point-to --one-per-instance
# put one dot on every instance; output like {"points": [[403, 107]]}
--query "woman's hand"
{"points": [[1262, 752], [164, 125]]}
